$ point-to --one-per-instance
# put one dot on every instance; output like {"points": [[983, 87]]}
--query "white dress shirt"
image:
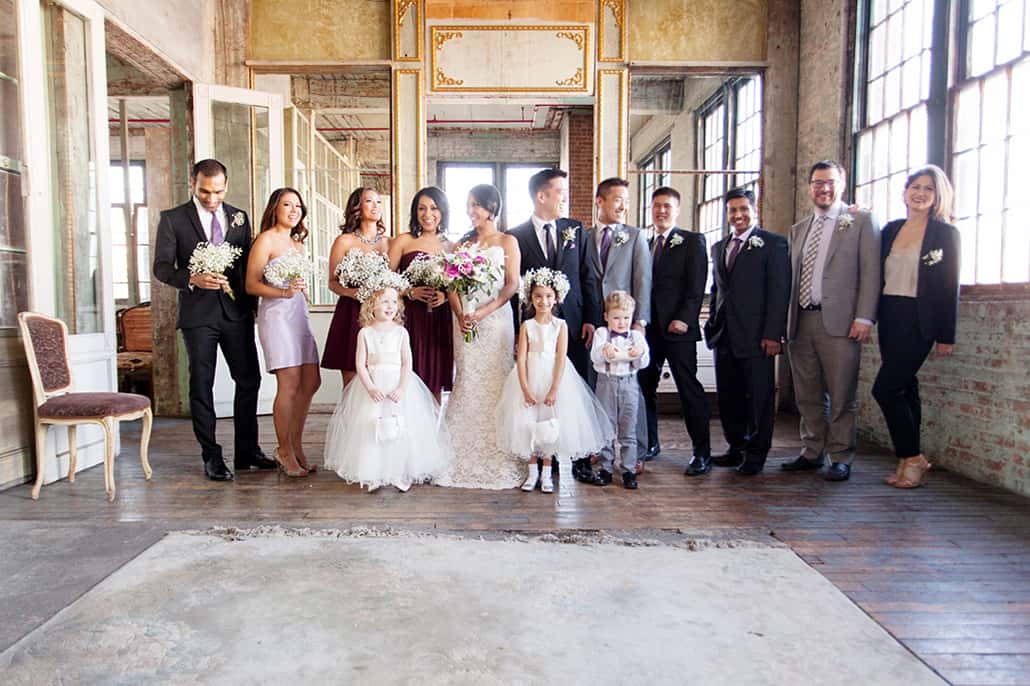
{"points": [[622, 364], [205, 218], [538, 226]]}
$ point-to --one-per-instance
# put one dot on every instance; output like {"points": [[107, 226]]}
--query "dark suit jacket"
{"points": [[749, 303], [678, 283], [178, 233], [937, 291], [580, 305]]}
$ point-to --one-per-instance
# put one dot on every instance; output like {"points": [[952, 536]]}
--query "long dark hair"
{"points": [[438, 197], [352, 213], [299, 232]]}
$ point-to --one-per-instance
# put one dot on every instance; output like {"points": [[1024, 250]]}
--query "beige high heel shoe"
{"points": [[892, 479], [912, 472], [283, 469]]}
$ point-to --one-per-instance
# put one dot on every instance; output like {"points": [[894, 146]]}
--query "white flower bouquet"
{"points": [[215, 259], [359, 268], [284, 269], [428, 271]]}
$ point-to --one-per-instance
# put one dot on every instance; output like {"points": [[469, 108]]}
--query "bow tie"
{"points": [[617, 334]]}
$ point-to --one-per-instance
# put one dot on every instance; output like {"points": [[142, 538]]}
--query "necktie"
{"points": [[606, 246], [549, 241], [217, 237], [656, 256], [808, 261], [731, 258]]}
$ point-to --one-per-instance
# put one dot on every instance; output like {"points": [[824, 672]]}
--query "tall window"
{"points": [[130, 250], [511, 179], [977, 126], [13, 264], [712, 137], [653, 177]]}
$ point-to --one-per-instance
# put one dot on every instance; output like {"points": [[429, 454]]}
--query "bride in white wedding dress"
{"points": [[482, 366]]}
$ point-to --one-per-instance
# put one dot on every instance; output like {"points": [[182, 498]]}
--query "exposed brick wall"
{"points": [[976, 404], [581, 165], [453, 145]]}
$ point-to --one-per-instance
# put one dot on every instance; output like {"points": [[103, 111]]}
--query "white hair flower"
{"points": [[544, 277]]}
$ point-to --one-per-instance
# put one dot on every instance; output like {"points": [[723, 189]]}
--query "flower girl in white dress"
{"points": [[385, 430], [546, 410]]}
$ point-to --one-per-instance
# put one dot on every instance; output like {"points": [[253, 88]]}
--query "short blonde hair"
{"points": [[367, 316], [943, 195], [619, 300]]}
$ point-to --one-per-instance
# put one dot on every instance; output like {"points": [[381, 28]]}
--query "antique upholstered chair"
{"points": [[46, 348]]}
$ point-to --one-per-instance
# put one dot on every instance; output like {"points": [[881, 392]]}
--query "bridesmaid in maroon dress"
{"points": [[363, 230], [427, 312]]}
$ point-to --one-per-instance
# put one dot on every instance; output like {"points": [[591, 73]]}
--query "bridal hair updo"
{"points": [[352, 212], [298, 232], [488, 197], [438, 198]]}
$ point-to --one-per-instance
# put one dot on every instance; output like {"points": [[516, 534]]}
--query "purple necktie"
{"points": [[549, 241], [217, 238], [656, 256], [732, 257], [606, 246]]}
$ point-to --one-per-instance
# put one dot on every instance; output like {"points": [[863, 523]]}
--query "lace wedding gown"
{"points": [[481, 369]]}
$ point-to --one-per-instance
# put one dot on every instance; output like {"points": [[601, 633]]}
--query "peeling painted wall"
{"points": [[182, 30], [315, 30], [697, 30]]}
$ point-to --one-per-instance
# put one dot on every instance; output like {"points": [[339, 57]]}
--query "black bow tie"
{"points": [[617, 334]]}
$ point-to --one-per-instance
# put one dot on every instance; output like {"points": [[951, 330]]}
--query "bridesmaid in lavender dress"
{"points": [[427, 312], [363, 230], [283, 325]]}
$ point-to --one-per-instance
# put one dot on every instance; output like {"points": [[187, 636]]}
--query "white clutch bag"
{"points": [[388, 428], [545, 429]]}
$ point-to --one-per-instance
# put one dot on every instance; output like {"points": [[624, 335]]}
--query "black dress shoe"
{"points": [[838, 471], [603, 477], [216, 470], [802, 464], [728, 459], [653, 451], [629, 480], [698, 465], [256, 461], [750, 467], [584, 473]]}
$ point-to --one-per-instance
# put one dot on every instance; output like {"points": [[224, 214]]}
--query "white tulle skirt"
{"points": [[575, 426], [386, 443]]}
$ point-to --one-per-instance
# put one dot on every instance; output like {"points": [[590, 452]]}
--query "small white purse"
{"points": [[389, 427], [545, 429]]}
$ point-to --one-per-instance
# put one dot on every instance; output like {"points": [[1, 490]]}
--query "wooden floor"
{"points": [[945, 569]]}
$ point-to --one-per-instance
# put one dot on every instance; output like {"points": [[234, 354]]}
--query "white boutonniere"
{"points": [[844, 222], [755, 242], [675, 240], [238, 219], [933, 257], [568, 237], [621, 237]]}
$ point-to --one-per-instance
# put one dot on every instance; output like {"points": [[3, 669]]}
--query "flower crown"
{"points": [[544, 277], [385, 279]]}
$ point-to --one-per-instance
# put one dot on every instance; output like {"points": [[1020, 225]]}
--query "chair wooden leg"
{"points": [[41, 430], [148, 421], [107, 423], [73, 453]]}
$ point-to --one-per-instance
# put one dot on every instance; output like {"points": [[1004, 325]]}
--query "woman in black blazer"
{"points": [[918, 308]]}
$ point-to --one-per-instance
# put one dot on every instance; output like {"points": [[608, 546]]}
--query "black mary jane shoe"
{"points": [[629, 480]]}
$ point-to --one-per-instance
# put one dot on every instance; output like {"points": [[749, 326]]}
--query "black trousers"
{"points": [[903, 349], [236, 339], [746, 388], [682, 357]]}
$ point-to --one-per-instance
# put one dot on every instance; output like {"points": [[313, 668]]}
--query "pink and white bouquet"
{"points": [[472, 276], [360, 269], [215, 259], [428, 271]]}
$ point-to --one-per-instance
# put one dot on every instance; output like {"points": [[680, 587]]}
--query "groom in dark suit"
{"points": [[210, 319], [550, 240], [678, 274], [746, 326]]}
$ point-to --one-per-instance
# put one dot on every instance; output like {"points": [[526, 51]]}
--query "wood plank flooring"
{"points": [[945, 569]]}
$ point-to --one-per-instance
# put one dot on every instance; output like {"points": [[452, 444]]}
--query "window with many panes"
{"points": [[654, 174], [975, 125]]}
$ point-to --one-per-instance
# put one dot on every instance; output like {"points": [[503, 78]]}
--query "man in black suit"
{"points": [[210, 318], [746, 325], [679, 269], [549, 240]]}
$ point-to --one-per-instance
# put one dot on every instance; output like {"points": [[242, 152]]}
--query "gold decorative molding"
{"points": [[401, 8], [526, 82], [618, 9], [600, 107], [576, 79], [441, 79], [577, 38]]}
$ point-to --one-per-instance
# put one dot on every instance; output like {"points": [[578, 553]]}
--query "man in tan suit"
{"points": [[835, 256]]}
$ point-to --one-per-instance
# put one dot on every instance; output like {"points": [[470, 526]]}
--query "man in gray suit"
{"points": [[620, 259], [835, 256]]}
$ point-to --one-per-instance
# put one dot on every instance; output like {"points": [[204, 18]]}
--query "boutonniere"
{"points": [[755, 242], [238, 219], [568, 237], [933, 257], [621, 237], [844, 222], [675, 240]]}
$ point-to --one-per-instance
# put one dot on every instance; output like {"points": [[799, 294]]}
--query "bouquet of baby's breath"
{"points": [[215, 259], [427, 270], [281, 271], [359, 268]]}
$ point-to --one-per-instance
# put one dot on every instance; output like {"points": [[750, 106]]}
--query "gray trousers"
{"points": [[620, 397], [825, 373]]}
